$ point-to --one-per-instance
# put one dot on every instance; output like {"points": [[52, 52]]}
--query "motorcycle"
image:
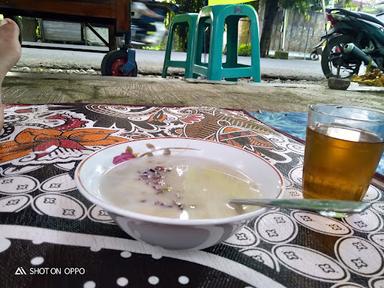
{"points": [[354, 38], [147, 29], [317, 50]]}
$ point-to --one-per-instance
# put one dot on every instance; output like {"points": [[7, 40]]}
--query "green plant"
{"points": [[244, 50], [155, 47], [38, 32]]}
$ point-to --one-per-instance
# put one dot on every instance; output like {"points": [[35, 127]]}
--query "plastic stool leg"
{"points": [[168, 51], [190, 53], [216, 50], [255, 46]]}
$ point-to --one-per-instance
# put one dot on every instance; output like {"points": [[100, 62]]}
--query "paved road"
{"points": [[150, 62]]}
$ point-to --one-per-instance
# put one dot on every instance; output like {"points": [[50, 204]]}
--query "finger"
{"points": [[6, 21], [10, 25]]}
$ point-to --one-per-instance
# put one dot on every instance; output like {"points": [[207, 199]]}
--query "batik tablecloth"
{"points": [[51, 236]]}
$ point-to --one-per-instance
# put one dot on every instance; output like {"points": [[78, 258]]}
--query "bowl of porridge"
{"points": [[175, 192]]}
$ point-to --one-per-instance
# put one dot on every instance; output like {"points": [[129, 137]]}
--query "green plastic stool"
{"points": [[189, 20], [216, 17]]}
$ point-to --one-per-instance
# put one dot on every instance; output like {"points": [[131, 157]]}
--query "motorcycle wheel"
{"points": [[332, 59], [113, 62], [314, 56]]}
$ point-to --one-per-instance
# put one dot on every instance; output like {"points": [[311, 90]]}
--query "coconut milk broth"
{"points": [[177, 187]]}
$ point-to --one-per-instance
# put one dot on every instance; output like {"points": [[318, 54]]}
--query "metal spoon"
{"points": [[326, 207]]}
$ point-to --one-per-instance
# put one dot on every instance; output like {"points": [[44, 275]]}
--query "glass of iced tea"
{"points": [[343, 148]]}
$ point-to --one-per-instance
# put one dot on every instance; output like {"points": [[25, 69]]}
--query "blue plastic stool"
{"points": [[216, 17], [189, 20]]}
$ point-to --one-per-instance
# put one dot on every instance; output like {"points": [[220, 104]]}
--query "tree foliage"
{"points": [[186, 6], [190, 6], [304, 6]]}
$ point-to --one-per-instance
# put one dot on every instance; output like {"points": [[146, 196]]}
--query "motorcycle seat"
{"points": [[370, 18], [361, 15]]}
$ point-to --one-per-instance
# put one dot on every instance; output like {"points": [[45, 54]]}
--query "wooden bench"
{"points": [[114, 14]]}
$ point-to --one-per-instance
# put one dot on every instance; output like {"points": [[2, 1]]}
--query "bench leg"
{"points": [[112, 37]]}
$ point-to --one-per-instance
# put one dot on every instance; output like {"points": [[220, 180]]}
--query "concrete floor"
{"points": [[273, 96]]}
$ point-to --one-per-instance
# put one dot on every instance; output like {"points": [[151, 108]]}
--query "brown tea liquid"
{"points": [[339, 162]]}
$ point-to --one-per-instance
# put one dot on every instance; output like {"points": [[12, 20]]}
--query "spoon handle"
{"points": [[340, 206]]}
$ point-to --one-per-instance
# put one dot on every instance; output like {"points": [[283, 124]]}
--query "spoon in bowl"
{"points": [[332, 208]]}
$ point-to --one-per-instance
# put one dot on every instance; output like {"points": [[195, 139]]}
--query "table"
{"points": [[50, 236], [113, 13]]}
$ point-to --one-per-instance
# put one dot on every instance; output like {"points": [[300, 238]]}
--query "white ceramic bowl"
{"points": [[175, 233]]}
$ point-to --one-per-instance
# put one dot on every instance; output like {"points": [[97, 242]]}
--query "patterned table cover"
{"points": [[51, 236]]}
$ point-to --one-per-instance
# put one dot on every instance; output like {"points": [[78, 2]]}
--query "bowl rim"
{"points": [[167, 220]]}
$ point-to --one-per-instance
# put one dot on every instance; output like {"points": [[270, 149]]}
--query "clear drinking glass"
{"points": [[343, 148]]}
